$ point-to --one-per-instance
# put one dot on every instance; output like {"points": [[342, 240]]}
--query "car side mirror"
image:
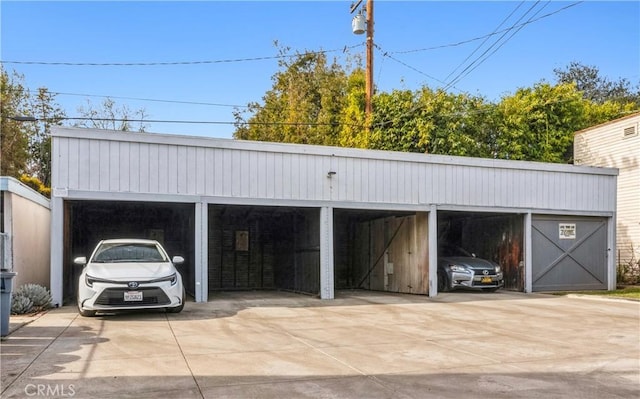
{"points": [[473, 254], [177, 260], [80, 260]]}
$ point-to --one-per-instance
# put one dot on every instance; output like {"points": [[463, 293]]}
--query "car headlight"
{"points": [[89, 280], [457, 268], [172, 278], [498, 269]]}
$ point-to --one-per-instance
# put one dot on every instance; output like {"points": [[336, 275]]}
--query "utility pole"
{"points": [[358, 29], [368, 109]]}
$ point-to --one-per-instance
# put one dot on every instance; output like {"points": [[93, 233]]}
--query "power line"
{"points": [[456, 44], [485, 40], [494, 51], [459, 76], [144, 99], [170, 63], [388, 55], [169, 121]]}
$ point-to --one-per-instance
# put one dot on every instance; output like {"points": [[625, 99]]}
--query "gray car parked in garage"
{"points": [[458, 268]]}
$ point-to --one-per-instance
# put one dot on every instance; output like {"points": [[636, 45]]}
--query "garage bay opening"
{"points": [[88, 222], [381, 250], [497, 237], [264, 248]]}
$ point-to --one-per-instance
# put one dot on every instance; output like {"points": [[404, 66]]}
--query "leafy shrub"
{"points": [[39, 296], [36, 184], [20, 304]]}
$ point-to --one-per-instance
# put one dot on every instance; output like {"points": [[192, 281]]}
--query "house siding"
{"points": [[607, 146]]}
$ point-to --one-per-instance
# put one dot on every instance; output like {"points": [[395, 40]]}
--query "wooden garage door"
{"points": [[569, 253]]}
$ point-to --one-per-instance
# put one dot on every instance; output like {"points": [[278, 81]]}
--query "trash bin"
{"points": [[6, 286]]}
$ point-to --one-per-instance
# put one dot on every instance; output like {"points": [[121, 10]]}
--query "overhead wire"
{"points": [[145, 99], [391, 57], [171, 63], [481, 60], [384, 53], [456, 78], [485, 40], [455, 44], [142, 120], [390, 54], [460, 43]]}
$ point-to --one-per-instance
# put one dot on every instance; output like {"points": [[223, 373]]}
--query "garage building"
{"points": [[312, 219]]}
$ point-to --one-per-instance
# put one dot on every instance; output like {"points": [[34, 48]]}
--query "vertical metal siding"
{"points": [[138, 167]]}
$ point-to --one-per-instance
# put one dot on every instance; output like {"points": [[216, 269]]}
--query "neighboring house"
{"points": [[25, 231], [617, 144]]}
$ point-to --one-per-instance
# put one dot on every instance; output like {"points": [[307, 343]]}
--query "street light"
{"points": [[358, 24], [20, 118]]}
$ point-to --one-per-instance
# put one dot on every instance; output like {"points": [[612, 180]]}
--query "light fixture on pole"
{"points": [[358, 25], [21, 118]]}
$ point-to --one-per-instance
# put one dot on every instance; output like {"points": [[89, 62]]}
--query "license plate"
{"points": [[132, 296], [485, 280]]}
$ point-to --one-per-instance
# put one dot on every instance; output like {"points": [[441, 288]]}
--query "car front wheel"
{"points": [[443, 282], [85, 313], [178, 309]]}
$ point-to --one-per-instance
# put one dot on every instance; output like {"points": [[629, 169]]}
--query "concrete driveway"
{"points": [[361, 345]]}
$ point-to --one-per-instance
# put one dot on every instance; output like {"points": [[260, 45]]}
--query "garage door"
{"points": [[569, 253]]}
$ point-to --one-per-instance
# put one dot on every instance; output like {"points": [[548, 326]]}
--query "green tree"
{"points": [[352, 132], [396, 122], [14, 139], [430, 121], [48, 114], [595, 87], [537, 124], [304, 105], [26, 145]]}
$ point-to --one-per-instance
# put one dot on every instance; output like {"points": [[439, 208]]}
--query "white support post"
{"points": [[326, 253], [201, 252], [433, 251], [57, 250], [528, 253]]}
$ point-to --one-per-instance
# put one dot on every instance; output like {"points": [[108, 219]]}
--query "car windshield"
{"points": [[453, 250], [128, 252]]}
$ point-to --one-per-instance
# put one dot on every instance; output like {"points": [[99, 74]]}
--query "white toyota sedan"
{"points": [[127, 274]]}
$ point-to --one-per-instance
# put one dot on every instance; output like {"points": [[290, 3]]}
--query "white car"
{"points": [[129, 274]]}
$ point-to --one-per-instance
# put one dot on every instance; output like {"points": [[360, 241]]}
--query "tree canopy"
{"points": [[595, 87], [304, 105], [26, 145], [316, 102]]}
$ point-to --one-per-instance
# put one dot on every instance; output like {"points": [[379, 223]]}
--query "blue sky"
{"points": [[603, 34]]}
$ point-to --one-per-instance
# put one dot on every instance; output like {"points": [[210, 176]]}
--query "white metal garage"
{"points": [[254, 183]]}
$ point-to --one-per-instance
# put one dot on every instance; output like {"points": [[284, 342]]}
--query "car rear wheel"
{"points": [[443, 282]]}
